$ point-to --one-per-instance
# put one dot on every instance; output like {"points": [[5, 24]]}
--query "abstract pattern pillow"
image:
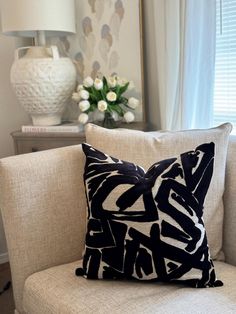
{"points": [[154, 229], [146, 148]]}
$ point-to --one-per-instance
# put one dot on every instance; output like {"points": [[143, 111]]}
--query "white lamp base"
{"points": [[43, 83]]}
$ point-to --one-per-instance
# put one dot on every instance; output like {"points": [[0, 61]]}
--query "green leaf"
{"points": [[93, 107], [103, 93], [109, 109], [105, 84], [96, 93], [127, 106], [123, 100], [117, 90], [123, 89], [88, 89], [118, 109], [93, 97]]}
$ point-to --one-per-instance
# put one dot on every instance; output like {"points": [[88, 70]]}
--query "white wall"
{"points": [[12, 116]]}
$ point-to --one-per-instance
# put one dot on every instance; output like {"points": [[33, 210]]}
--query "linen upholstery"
{"points": [[43, 207], [57, 246], [229, 242], [57, 290], [144, 149]]}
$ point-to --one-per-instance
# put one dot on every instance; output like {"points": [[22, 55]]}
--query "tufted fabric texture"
{"points": [[229, 235], [146, 148], [43, 207], [57, 290]]}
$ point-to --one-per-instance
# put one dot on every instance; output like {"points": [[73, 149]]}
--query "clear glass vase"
{"points": [[108, 121]]}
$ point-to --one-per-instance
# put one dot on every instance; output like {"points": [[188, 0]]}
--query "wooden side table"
{"points": [[33, 142]]}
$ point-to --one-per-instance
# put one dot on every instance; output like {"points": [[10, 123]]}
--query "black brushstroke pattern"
{"points": [[118, 245]]}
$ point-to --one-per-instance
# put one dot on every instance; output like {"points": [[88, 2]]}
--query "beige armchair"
{"points": [[44, 213]]}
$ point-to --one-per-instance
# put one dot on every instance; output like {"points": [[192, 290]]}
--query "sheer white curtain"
{"points": [[185, 50]]}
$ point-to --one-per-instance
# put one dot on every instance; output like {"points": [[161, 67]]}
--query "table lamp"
{"points": [[42, 80]]}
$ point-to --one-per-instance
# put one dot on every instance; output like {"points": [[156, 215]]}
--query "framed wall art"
{"points": [[109, 41]]}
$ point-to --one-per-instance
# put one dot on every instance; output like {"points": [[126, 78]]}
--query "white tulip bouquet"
{"points": [[105, 97]]}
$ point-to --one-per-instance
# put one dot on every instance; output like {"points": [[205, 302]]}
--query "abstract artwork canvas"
{"points": [[108, 41]]}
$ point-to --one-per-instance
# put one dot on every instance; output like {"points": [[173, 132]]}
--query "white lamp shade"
{"points": [[25, 17]]}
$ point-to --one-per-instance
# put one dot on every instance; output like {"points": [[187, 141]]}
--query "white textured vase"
{"points": [[43, 82]]}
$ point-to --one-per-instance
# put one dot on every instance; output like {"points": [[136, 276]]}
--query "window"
{"points": [[225, 68]]}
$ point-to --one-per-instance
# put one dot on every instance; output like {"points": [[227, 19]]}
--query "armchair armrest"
{"points": [[229, 236], [43, 207]]}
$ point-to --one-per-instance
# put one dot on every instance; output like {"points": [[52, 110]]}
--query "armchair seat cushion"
{"points": [[58, 290]]}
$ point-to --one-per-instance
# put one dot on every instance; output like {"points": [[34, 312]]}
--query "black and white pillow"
{"points": [[148, 225]]}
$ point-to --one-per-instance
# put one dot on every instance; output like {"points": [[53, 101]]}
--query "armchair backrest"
{"points": [[43, 208]]}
